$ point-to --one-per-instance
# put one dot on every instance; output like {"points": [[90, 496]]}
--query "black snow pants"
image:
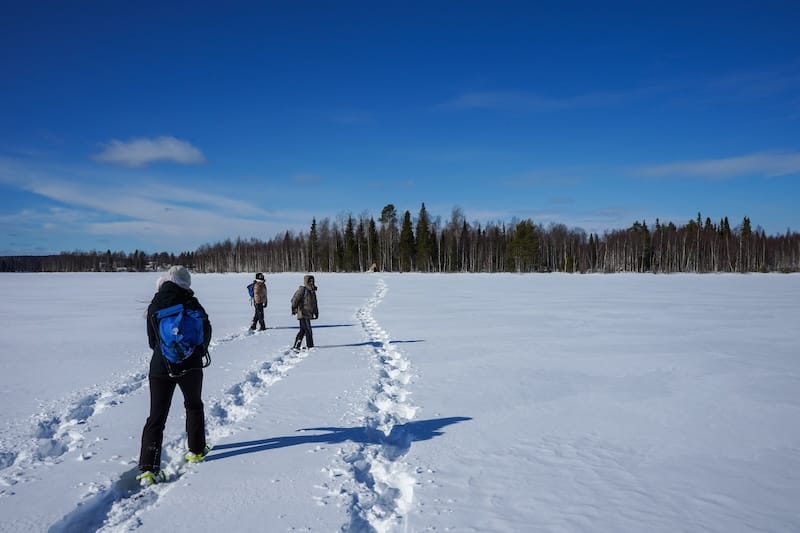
{"points": [[258, 317], [161, 391], [305, 329]]}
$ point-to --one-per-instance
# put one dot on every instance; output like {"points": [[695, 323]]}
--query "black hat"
{"points": [[260, 276]]}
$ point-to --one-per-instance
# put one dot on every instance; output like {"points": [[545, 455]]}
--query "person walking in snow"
{"points": [[173, 289], [304, 307], [259, 302]]}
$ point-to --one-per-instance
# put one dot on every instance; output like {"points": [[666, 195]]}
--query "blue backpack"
{"points": [[180, 332], [250, 289]]}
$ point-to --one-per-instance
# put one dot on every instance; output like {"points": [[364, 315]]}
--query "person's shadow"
{"points": [[316, 326], [374, 344], [91, 514], [397, 443]]}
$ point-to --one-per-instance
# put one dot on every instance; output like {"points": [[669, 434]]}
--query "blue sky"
{"points": [[165, 126]]}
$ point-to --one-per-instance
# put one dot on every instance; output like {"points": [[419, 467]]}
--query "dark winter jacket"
{"points": [[304, 301], [170, 294], [260, 292]]}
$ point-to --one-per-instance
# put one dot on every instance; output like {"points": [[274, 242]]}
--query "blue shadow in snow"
{"points": [[374, 344], [315, 326], [395, 444]]}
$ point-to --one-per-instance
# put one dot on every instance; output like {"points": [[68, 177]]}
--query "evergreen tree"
{"points": [[744, 246], [325, 259], [423, 252], [348, 256], [361, 246], [406, 244], [313, 247], [523, 248], [373, 246]]}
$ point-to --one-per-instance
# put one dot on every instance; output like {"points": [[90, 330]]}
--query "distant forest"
{"points": [[430, 244]]}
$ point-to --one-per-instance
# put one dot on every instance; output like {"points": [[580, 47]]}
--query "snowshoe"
{"points": [[148, 478], [197, 457]]}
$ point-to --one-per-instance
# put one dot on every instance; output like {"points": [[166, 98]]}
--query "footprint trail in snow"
{"points": [[376, 484], [56, 431], [370, 476], [117, 505]]}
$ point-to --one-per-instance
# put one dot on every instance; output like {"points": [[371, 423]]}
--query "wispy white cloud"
{"points": [[595, 220], [561, 200], [766, 83], [566, 177], [450, 155], [775, 83], [531, 102], [142, 152], [389, 185], [307, 179], [174, 210], [344, 115], [351, 116], [503, 100], [762, 164], [166, 217]]}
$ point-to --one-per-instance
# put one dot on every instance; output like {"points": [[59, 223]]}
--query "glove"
{"points": [[316, 316], [294, 311]]}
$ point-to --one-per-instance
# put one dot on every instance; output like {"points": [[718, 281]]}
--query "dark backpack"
{"points": [[180, 332], [300, 303]]}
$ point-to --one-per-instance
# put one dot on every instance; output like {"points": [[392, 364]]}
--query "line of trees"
{"points": [[430, 244], [95, 261]]}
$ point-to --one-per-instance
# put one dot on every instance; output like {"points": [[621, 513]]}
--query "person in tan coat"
{"points": [[259, 302], [304, 307]]}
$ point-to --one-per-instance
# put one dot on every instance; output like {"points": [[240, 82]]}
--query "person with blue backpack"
{"points": [[258, 296], [179, 332]]}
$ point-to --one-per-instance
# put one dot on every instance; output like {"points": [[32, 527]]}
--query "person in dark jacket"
{"points": [[304, 306], [173, 289], [259, 302]]}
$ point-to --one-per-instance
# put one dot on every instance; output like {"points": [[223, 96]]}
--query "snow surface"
{"points": [[502, 403]]}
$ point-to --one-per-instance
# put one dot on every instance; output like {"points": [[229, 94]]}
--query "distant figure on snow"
{"points": [[259, 302], [173, 289], [304, 306]]}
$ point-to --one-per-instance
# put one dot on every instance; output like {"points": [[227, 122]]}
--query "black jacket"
{"points": [[168, 295]]}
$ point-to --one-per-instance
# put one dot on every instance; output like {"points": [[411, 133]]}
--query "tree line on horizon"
{"points": [[430, 244]]}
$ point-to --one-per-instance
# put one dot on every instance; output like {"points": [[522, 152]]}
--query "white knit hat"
{"points": [[180, 276]]}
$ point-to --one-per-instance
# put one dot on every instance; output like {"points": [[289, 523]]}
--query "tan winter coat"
{"points": [[304, 301], [260, 292]]}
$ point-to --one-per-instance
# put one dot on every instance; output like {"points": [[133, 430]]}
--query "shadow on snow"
{"points": [[315, 326], [90, 515], [374, 344], [396, 443]]}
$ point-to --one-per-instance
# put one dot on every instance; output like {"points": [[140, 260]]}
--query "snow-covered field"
{"points": [[490, 403]]}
